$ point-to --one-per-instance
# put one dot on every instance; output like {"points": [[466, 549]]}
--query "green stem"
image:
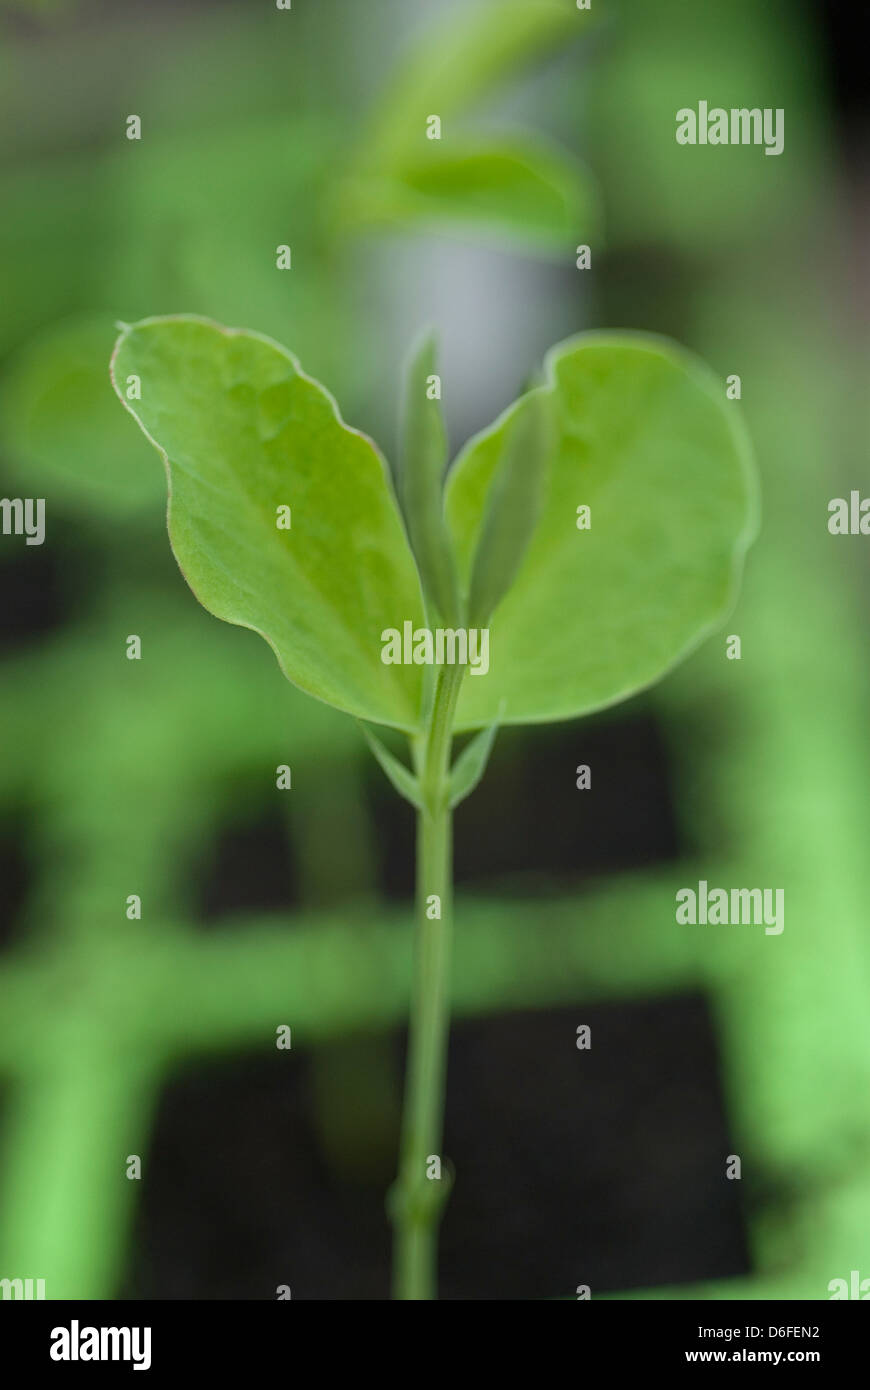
{"points": [[417, 1199]]}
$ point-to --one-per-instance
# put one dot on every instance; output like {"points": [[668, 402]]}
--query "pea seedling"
{"points": [[576, 550]]}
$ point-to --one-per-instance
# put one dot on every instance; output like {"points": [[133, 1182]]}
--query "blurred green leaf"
{"points": [[458, 60], [421, 483], [522, 189], [243, 432], [60, 426], [647, 440], [201, 214]]}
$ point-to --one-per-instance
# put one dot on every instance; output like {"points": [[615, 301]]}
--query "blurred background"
{"points": [[260, 908]]}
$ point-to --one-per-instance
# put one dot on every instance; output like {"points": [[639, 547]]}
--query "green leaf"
{"points": [[402, 778], [243, 431], [421, 483], [646, 438], [520, 190], [512, 507], [471, 764]]}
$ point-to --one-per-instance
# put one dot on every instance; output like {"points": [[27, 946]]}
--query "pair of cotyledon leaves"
{"points": [[629, 426]]}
